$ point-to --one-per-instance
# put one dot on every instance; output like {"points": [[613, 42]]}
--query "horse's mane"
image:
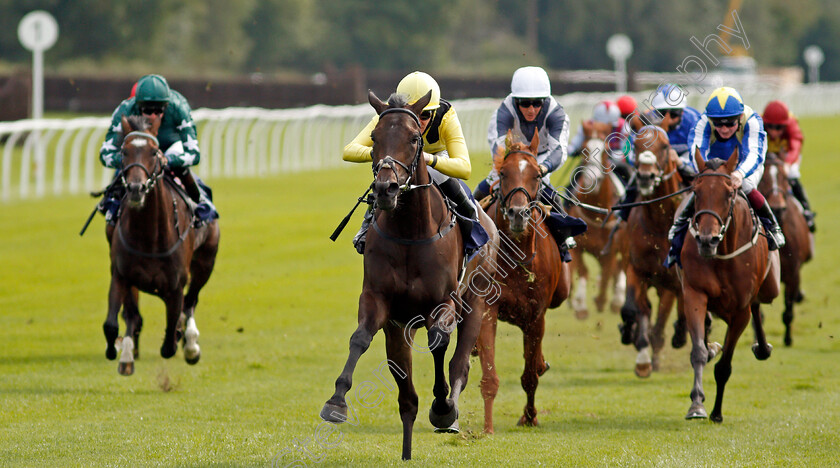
{"points": [[499, 157], [138, 122], [397, 100], [714, 163]]}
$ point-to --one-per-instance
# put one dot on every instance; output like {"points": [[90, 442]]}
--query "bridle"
{"points": [[724, 224], [391, 163], [648, 157], [504, 198], [151, 177]]}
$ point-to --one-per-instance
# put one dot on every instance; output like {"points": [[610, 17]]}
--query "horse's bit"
{"points": [[724, 225], [391, 163], [151, 177]]}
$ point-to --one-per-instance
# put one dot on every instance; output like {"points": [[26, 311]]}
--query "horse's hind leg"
{"points": [[791, 296], [486, 346], [201, 267], [723, 369], [174, 301], [578, 301], [373, 314], [761, 348], [657, 334], [399, 363], [532, 340], [444, 412]]}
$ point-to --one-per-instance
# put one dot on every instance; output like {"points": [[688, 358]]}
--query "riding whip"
{"points": [[346, 219]]}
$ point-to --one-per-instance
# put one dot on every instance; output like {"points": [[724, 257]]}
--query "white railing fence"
{"points": [[55, 157]]}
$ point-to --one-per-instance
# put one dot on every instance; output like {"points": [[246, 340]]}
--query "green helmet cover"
{"points": [[152, 88]]}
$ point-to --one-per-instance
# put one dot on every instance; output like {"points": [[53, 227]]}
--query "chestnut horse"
{"points": [[647, 231], [593, 183], [798, 240], [727, 271], [154, 249], [533, 278], [412, 259]]}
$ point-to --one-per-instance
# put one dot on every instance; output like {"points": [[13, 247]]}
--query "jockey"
{"points": [[177, 136], [670, 111], [606, 113], [785, 139], [728, 124], [444, 148], [527, 109]]}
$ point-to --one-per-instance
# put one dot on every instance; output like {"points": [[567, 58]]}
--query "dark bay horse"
{"points": [[532, 276], [647, 232], [727, 271], [594, 183], [798, 247], [412, 260], [154, 249]]}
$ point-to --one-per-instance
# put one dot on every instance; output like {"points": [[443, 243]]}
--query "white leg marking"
{"points": [[127, 350], [191, 349]]}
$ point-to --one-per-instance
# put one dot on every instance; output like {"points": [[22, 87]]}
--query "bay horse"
{"points": [[532, 275], [647, 232], [798, 247], [412, 260], [728, 271], [593, 182], [154, 249]]}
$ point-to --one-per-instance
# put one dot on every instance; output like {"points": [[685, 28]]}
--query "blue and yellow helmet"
{"points": [[724, 102]]}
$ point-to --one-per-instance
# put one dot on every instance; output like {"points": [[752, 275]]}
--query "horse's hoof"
{"points": [[126, 368], [643, 370], [626, 332], [716, 417], [762, 353], [545, 369], [333, 413], [788, 341], [582, 314], [696, 412], [800, 296], [455, 428], [474, 351], [678, 341], [192, 360], [167, 352], [111, 352], [529, 422], [443, 421]]}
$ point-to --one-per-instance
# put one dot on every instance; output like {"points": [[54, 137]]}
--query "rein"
{"points": [[168, 252], [725, 225]]}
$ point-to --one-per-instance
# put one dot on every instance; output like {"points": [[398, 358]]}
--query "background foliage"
{"points": [[488, 36]]}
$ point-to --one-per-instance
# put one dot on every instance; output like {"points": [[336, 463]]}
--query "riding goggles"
{"points": [[526, 103], [774, 126], [674, 112], [150, 109], [724, 121]]}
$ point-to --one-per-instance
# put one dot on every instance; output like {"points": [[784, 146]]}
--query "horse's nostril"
{"points": [[134, 187]]}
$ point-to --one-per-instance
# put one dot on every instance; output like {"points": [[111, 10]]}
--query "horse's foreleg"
{"points": [[630, 310], [608, 270], [695, 310], [578, 301], [680, 329], [131, 315], [373, 314], [791, 296], [174, 301], [723, 369], [761, 348], [534, 362], [111, 327], [444, 411], [619, 289], [657, 334], [487, 356], [399, 362], [201, 267]]}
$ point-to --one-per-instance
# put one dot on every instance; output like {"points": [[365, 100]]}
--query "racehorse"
{"points": [[798, 240], [647, 232], [532, 276], [594, 183], [727, 271], [412, 261], [154, 249]]}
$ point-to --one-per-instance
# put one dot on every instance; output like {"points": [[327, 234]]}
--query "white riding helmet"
{"points": [[530, 82], [416, 85], [669, 96], [606, 112]]}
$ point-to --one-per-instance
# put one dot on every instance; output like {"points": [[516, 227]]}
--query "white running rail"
{"points": [[54, 157]]}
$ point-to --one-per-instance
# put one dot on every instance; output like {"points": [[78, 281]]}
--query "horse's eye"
{"points": [[501, 173]]}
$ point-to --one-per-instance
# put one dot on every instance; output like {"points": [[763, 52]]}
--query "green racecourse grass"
{"points": [[275, 322]]}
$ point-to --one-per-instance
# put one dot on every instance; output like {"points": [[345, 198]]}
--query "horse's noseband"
{"points": [[724, 224], [504, 198], [391, 163]]}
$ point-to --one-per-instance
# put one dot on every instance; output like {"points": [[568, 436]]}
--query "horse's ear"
{"points": [[418, 106], [155, 126], [732, 163], [535, 143], [126, 127], [698, 160], [377, 104]]}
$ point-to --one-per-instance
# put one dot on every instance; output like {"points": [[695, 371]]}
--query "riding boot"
{"points": [[678, 231], [775, 238], [454, 191], [359, 238], [205, 211], [482, 190], [629, 197], [799, 192], [556, 201]]}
